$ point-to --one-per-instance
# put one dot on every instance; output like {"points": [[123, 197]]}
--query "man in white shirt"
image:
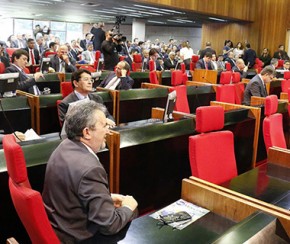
{"points": [[88, 56]]}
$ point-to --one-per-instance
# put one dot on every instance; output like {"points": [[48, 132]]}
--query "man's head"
{"points": [[221, 57], [88, 36], [31, 43], [153, 53], [207, 57], [86, 122], [90, 46], [172, 55], [109, 36], [62, 51], [145, 53], [208, 44], [213, 58], [231, 55], [82, 81], [274, 62], [240, 63], [268, 73], [122, 65], [20, 57], [286, 64]]}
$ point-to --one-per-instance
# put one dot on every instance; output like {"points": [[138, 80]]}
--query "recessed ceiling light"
{"points": [[90, 4]]}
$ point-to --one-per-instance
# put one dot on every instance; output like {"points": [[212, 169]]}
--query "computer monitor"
{"points": [[171, 99], [44, 65], [8, 82]]}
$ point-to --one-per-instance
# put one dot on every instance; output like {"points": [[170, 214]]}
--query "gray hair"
{"points": [[268, 70], [274, 61], [81, 116]]}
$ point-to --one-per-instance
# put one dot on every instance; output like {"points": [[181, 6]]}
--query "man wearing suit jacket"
{"points": [[170, 62], [25, 83], [241, 68], [257, 85], [205, 62], [118, 80], [83, 84], [230, 59], [33, 53], [88, 56], [61, 62], [249, 56], [76, 191], [86, 41]]}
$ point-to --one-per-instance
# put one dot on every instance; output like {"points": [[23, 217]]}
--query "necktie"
{"points": [[32, 57], [206, 65]]}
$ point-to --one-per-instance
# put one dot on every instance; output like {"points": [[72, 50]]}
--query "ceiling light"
{"points": [[222, 20], [156, 22]]}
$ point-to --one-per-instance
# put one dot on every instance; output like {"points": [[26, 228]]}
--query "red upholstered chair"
{"points": [[287, 75], [285, 85], [239, 88], [194, 59], [280, 63], [66, 88], [152, 65], [225, 77], [137, 62], [182, 67], [236, 77], [49, 54], [10, 51], [211, 154], [27, 202], [26, 70], [97, 60], [226, 93], [88, 67], [181, 104], [184, 78], [153, 77], [228, 66], [2, 68], [273, 124], [176, 78], [121, 58]]}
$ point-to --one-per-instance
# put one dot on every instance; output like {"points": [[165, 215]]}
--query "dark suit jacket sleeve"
{"points": [[169, 65], [256, 89], [126, 83], [95, 196], [199, 64], [23, 84], [106, 80], [62, 109]]}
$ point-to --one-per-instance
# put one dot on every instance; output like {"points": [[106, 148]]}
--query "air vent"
{"points": [[91, 4]]}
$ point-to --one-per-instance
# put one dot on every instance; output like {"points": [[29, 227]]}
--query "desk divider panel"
{"points": [[279, 156], [204, 75]]}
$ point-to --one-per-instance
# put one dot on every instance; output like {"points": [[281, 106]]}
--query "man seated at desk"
{"points": [[118, 79], [257, 85], [25, 83], [76, 192], [83, 84], [61, 62], [205, 62], [241, 68]]}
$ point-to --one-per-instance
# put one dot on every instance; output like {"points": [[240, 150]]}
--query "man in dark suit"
{"points": [[154, 55], [25, 83], [230, 59], [257, 85], [83, 84], [118, 80], [86, 41], [99, 35], [170, 62], [249, 56], [61, 62], [33, 53], [204, 63], [241, 68], [208, 49], [76, 191]]}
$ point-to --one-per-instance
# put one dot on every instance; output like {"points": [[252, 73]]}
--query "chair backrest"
{"points": [[194, 58], [97, 55], [26, 70], [182, 67], [280, 63], [66, 88], [225, 77], [285, 85], [10, 51], [2, 68], [49, 54], [151, 65], [273, 124], [121, 58], [236, 77], [240, 89], [181, 104], [287, 75], [136, 66], [153, 77], [30, 209], [15, 160], [226, 93], [88, 67], [228, 66], [137, 58], [211, 155], [176, 78]]}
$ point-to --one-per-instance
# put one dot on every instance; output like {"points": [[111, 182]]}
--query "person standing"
{"points": [[98, 35]]}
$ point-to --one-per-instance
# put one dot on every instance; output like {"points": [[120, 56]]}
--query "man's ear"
{"points": [[76, 84], [86, 133]]}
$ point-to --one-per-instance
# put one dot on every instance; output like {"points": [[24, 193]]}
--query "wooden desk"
{"points": [[203, 75]]}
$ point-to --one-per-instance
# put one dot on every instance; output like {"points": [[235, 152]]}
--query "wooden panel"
{"points": [[279, 156]]}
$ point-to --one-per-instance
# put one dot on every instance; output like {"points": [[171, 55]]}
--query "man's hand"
{"points": [[110, 123]]}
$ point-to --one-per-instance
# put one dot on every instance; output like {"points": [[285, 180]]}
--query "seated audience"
{"points": [[286, 65], [61, 62], [265, 57], [76, 189], [25, 83], [220, 63], [230, 59], [52, 48], [153, 55], [88, 56], [83, 85], [281, 53], [170, 62], [241, 68], [4, 57], [33, 53], [118, 79], [205, 62], [214, 62], [257, 85]]}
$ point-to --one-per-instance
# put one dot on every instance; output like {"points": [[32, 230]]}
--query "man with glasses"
{"points": [[120, 79], [257, 85], [82, 83], [61, 62]]}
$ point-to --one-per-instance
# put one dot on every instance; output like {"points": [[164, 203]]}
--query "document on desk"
{"points": [[180, 205]]}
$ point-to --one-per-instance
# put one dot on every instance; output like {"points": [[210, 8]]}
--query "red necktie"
{"points": [[206, 65], [32, 57]]}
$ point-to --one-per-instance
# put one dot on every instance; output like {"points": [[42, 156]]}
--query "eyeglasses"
{"points": [[87, 79]]}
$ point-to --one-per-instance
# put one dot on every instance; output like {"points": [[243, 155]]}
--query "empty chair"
{"points": [[137, 62], [177, 78], [2, 68], [285, 85], [194, 59], [152, 65], [228, 66], [153, 77], [287, 75], [280, 63], [225, 77], [236, 77], [211, 154], [182, 67], [273, 124], [27, 202], [97, 60], [226, 93], [181, 104], [66, 88], [239, 88]]}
